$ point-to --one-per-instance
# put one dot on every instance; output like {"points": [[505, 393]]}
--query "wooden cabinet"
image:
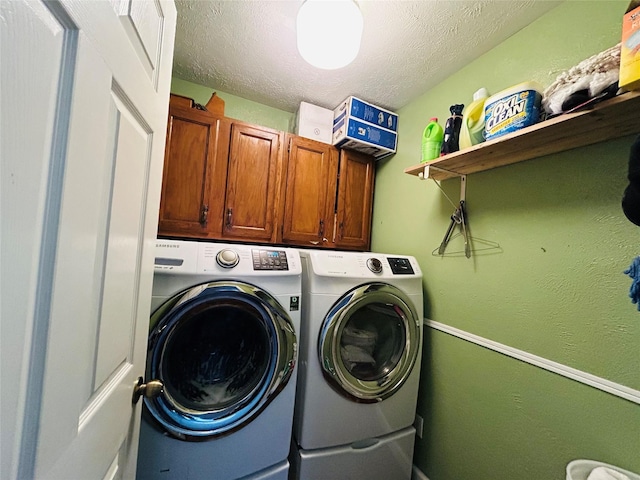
{"points": [[309, 202], [329, 195], [194, 163], [222, 178], [355, 201], [229, 180], [253, 181]]}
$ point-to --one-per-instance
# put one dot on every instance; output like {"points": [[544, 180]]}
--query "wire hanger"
{"points": [[479, 246], [459, 218]]}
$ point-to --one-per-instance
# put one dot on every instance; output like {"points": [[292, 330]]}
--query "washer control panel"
{"points": [[400, 266], [269, 259], [182, 257]]}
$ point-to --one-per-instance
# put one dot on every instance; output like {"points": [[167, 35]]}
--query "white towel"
{"points": [[604, 473]]}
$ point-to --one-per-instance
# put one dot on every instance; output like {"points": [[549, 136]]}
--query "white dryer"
{"points": [[359, 367], [223, 342]]}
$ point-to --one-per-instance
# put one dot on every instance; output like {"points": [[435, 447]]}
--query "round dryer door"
{"points": [[369, 342], [223, 351]]}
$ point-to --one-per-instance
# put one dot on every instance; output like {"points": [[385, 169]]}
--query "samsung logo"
{"points": [[167, 245]]}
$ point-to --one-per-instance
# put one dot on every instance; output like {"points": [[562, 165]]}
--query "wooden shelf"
{"points": [[610, 119]]}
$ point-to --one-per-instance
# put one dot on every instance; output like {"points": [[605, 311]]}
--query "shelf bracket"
{"points": [[427, 168], [463, 179]]}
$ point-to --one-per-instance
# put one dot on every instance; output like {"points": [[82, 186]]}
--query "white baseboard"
{"points": [[416, 474]]}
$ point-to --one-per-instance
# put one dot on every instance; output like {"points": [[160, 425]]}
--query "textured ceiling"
{"points": [[248, 48]]}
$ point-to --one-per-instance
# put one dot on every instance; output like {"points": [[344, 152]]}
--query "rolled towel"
{"points": [[593, 75], [604, 473]]}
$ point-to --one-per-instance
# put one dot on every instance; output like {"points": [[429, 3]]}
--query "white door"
{"points": [[85, 91]]}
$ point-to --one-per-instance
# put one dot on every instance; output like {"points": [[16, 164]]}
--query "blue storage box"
{"points": [[353, 134], [360, 126], [356, 108]]}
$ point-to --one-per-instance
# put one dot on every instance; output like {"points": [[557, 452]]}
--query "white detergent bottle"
{"points": [[472, 131]]}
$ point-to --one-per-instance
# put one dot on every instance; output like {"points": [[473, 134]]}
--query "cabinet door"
{"points": [[194, 168], [253, 180], [309, 204], [355, 201]]}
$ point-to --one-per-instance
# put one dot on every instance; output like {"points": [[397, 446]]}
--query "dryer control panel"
{"points": [[400, 266], [363, 265]]}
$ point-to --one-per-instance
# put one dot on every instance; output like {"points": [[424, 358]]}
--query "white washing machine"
{"points": [[359, 366], [223, 341]]}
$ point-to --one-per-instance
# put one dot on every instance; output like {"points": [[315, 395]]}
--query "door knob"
{"points": [[151, 389]]}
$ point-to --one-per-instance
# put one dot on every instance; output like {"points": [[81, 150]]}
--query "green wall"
{"points": [[488, 417], [236, 107], [553, 288]]}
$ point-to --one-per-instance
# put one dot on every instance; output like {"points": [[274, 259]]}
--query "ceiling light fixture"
{"points": [[329, 32]]}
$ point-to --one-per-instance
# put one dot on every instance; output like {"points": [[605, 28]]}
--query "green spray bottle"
{"points": [[432, 140]]}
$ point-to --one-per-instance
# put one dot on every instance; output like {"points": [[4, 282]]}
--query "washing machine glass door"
{"points": [[369, 342], [223, 350]]}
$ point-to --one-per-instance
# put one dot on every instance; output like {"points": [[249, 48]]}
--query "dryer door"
{"points": [[223, 350], [369, 342]]}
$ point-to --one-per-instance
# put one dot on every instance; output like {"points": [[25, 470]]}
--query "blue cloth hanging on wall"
{"points": [[634, 272]]}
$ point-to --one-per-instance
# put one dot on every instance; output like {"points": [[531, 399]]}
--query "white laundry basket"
{"points": [[580, 469]]}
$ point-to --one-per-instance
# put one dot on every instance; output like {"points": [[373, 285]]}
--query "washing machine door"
{"points": [[223, 351], [369, 342]]}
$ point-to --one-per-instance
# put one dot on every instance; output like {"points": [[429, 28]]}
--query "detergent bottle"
{"points": [[472, 130], [450, 143], [432, 140]]}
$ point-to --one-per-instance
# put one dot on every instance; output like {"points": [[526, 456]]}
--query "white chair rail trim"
{"points": [[603, 384]]}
